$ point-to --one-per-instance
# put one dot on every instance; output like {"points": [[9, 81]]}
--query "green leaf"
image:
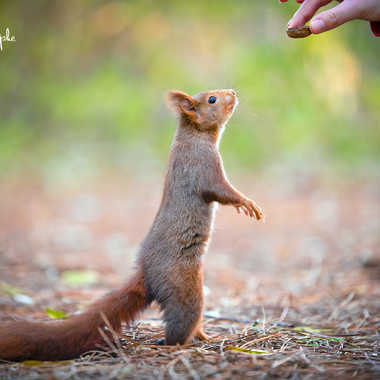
{"points": [[55, 314], [246, 351], [79, 277]]}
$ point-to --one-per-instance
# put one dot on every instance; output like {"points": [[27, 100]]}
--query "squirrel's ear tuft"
{"points": [[182, 104]]}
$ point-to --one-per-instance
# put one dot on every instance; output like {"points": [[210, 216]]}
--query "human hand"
{"points": [[345, 11]]}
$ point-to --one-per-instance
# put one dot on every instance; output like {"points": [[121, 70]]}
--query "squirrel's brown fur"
{"points": [[169, 263]]}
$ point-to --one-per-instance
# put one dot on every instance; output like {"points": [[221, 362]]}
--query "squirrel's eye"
{"points": [[212, 99]]}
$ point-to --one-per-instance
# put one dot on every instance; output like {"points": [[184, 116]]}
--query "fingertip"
{"points": [[317, 26], [297, 20]]}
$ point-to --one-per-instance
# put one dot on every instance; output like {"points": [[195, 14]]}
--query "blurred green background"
{"points": [[82, 88]]}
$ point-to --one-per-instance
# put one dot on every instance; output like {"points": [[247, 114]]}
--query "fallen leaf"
{"points": [[55, 314]]}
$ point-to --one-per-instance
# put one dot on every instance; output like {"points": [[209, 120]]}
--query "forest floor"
{"points": [[295, 297]]}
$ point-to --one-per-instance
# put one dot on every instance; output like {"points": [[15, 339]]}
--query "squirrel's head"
{"points": [[207, 110]]}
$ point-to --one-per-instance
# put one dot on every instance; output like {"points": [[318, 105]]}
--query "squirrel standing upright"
{"points": [[169, 262]]}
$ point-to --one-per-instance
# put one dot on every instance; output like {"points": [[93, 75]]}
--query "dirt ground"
{"points": [[295, 297]]}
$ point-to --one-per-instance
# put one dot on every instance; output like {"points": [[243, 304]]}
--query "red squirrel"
{"points": [[169, 261]]}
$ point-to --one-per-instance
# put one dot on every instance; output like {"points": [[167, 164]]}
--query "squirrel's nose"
{"points": [[233, 92]]}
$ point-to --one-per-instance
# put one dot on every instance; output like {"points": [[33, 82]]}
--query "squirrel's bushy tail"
{"points": [[69, 338]]}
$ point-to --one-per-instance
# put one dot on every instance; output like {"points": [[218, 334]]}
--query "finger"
{"points": [[306, 11], [334, 17]]}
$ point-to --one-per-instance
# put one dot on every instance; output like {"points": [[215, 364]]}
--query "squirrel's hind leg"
{"points": [[182, 321], [182, 300], [183, 308]]}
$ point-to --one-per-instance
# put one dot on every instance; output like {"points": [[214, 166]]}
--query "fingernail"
{"points": [[317, 26]]}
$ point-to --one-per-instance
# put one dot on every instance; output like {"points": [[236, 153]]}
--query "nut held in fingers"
{"points": [[299, 31]]}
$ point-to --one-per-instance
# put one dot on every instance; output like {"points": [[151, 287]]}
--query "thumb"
{"points": [[333, 17]]}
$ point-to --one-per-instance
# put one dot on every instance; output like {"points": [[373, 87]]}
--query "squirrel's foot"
{"points": [[201, 335]]}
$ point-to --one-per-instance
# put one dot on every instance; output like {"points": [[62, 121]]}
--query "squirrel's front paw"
{"points": [[252, 209]]}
